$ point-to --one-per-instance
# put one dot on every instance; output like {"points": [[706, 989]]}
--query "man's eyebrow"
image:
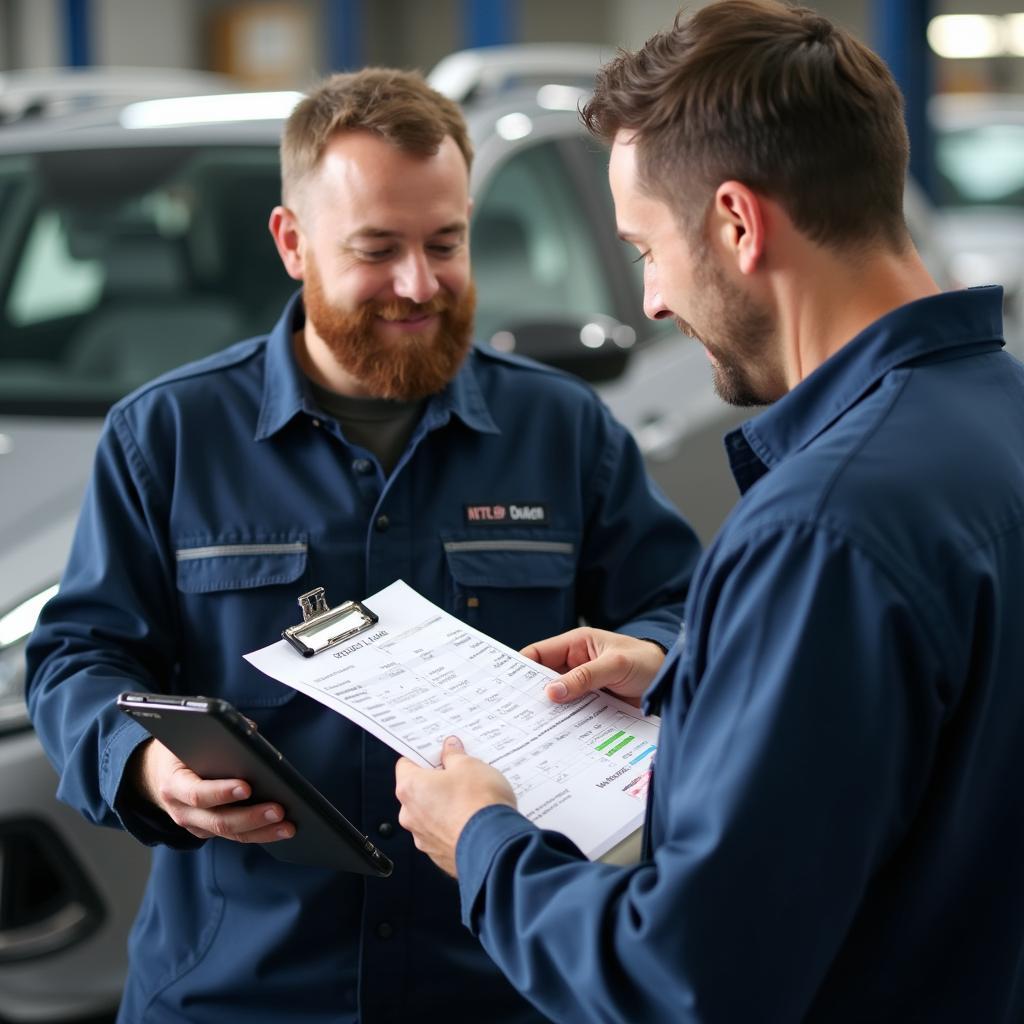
{"points": [[370, 232]]}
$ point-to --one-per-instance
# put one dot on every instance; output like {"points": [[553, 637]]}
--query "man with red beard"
{"points": [[364, 440]]}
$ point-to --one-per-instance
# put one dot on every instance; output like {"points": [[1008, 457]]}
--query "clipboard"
{"points": [[215, 741], [323, 627]]}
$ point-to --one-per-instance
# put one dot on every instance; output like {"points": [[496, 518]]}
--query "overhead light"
{"points": [[560, 97], [1013, 34], [513, 126], [961, 36], [592, 335], [503, 341], [190, 110], [624, 336]]}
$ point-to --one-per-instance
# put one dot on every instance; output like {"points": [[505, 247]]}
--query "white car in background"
{"points": [[132, 239]]}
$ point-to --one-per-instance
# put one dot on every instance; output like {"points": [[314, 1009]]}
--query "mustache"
{"points": [[405, 309], [686, 328]]}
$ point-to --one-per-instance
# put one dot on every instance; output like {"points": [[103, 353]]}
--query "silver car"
{"points": [[133, 238]]}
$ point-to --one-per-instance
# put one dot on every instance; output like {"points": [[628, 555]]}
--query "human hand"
{"points": [[205, 807], [597, 659], [437, 802]]}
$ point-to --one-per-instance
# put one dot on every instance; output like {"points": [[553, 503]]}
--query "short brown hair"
{"points": [[774, 96], [397, 105]]}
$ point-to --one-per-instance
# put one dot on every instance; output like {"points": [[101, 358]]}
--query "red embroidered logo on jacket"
{"points": [[529, 514]]}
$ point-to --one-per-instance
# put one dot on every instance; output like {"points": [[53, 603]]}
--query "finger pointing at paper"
{"points": [[597, 659], [437, 802]]}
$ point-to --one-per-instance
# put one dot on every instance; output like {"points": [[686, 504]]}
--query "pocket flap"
{"points": [[511, 563], [239, 565]]}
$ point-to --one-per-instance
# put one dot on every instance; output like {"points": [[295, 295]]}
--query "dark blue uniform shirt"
{"points": [[220, 493], [836, 831]]}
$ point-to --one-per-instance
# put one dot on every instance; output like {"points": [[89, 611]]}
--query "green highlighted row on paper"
{"points": [[614, 743]]}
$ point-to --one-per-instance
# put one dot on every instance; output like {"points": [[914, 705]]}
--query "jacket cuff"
{"points": [[138, 816], [664, 636], [482, 838]]}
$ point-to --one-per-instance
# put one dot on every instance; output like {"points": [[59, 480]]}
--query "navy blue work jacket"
{"points": [[220, 493], [836, 831]]}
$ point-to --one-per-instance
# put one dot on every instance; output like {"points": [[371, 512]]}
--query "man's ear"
{"points": [[287, 235], [739, 224]]}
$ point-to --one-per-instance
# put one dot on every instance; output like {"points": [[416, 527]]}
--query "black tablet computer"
{"points": [[217, 742]]}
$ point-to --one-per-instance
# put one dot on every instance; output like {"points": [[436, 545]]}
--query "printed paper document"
{"points": [[420, 675]]}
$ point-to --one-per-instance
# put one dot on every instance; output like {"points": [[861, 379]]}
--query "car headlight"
{"points": [[15, 627]]}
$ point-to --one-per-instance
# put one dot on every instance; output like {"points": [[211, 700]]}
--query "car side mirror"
{"points": [[596, 349]]}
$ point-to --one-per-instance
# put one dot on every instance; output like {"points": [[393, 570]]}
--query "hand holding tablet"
{"points": [[217, 742]]}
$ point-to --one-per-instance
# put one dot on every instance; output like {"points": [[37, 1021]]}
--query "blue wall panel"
{"points": [[490, 22], [900, 38], [346, 42], [76, 33]]}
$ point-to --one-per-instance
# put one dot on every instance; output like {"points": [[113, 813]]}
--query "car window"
{"points": [[982, 165], [597, 168], [533, 249], [118, 265], [49, 281], [597, 161]]}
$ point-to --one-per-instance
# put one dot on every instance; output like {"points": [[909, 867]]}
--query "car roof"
{"points": [[104, 126], [473, 75], [39, 94], [107, 124], [113, 107]]}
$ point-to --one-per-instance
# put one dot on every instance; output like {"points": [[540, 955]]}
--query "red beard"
{"points": [[411, 367]]}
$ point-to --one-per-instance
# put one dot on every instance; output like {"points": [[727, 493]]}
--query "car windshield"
{"points": [[982, 165], [116, 265]]}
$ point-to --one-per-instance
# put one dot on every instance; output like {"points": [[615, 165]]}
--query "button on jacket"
{"points": [[220, 493], [836, 831]]}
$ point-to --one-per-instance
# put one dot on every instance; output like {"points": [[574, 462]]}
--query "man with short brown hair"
{"points": [[349, 448], [396, 106], [833, 831]]}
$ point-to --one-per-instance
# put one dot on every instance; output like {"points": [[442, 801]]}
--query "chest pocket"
{"points": [[208, 568], [236, 596], [516, 590]]}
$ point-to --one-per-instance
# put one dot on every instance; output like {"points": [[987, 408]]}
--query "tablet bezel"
{"points": [[217, 742]]}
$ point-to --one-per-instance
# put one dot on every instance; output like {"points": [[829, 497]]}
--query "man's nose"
{"points": [[654, 305], [415, 279]]}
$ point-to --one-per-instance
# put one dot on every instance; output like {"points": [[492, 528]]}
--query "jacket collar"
{"points": [[287, 394], [926, 328]]}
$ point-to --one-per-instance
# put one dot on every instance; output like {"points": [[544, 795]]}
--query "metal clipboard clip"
{"points": [[323, 627]]}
